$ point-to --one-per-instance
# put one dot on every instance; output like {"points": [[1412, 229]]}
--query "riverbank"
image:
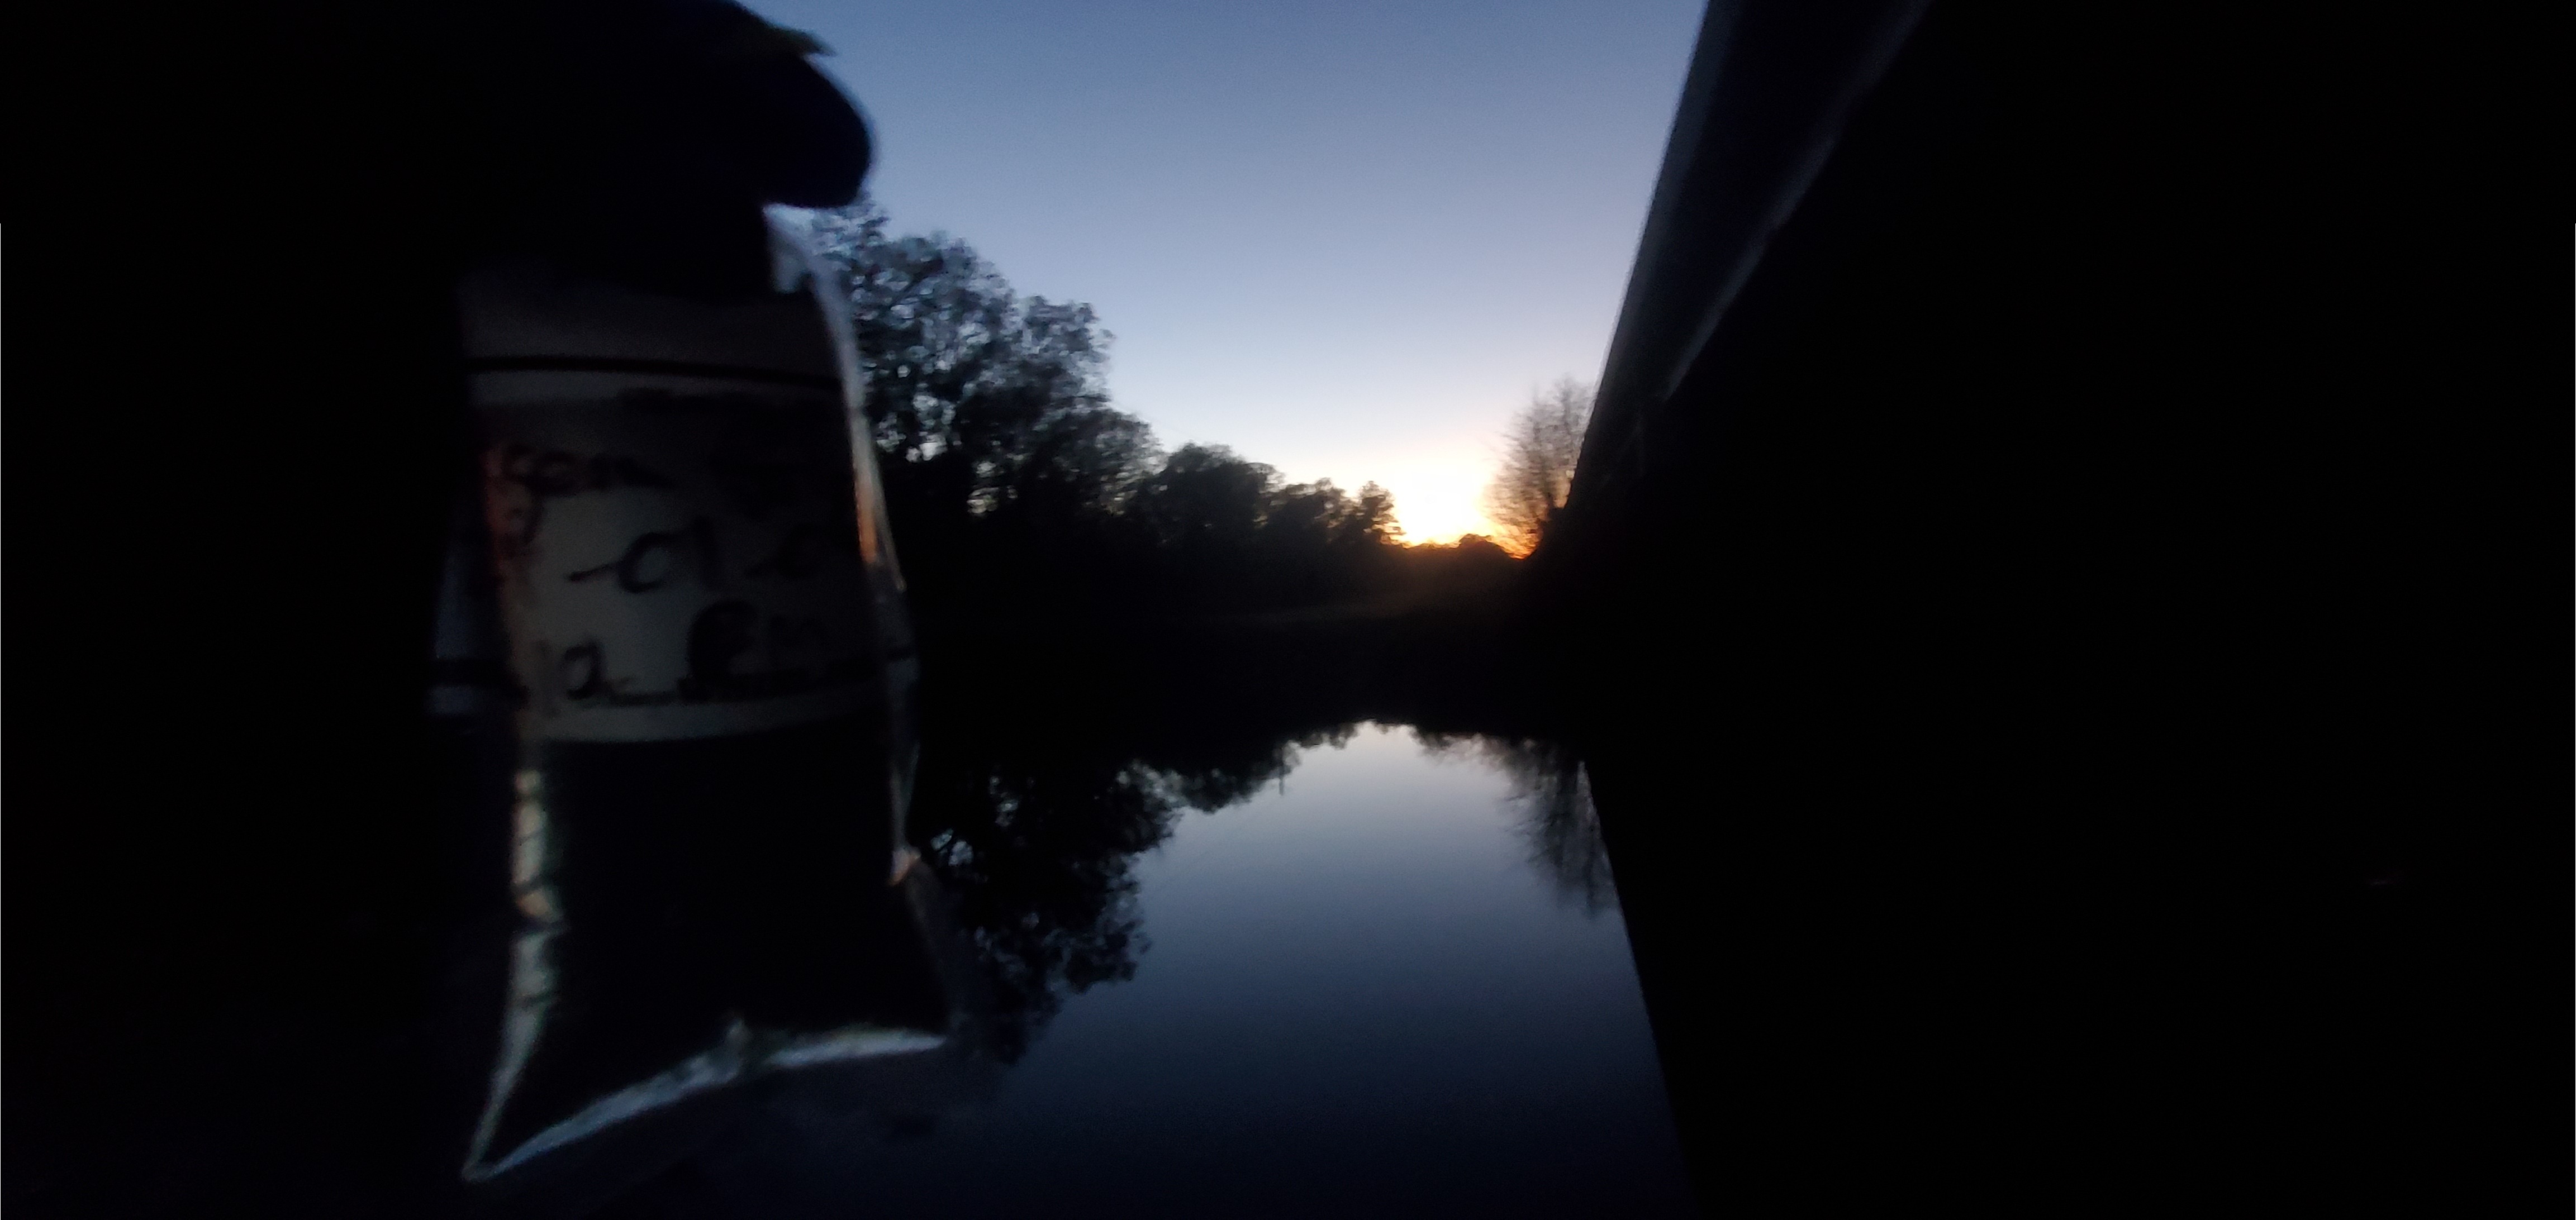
{"points": [[1470, 665]]}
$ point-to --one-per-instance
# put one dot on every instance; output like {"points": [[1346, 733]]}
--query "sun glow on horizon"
{"points": [[1439, 497]]}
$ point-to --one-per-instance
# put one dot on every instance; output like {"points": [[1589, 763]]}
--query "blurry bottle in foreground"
{"points": [[707, 674]]}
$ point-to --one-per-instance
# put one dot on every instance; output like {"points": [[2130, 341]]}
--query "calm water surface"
{"points": [[1393, 981]]}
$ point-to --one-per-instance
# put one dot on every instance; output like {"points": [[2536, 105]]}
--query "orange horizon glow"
{"points": [[1450, 539]]}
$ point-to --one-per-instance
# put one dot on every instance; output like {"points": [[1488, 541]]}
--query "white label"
{"points": [[678, 556]]}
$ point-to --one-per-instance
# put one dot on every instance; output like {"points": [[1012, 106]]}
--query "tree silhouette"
{"points": [[1540, 448], [1012, 482], [1016, 490], [989, 408]]}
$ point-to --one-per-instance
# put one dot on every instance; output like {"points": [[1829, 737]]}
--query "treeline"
{"points": [[1018, 492]]}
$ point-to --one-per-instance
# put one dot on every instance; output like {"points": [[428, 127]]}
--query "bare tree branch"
{"points": [[1539, 453]]}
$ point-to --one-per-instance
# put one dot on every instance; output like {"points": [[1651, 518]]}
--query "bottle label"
{"points": [[678, 556]]}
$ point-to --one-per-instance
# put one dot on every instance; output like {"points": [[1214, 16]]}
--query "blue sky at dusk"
{"points": [[1343, 239]]}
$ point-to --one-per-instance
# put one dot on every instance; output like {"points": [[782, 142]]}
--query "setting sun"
{"points": [[1439, 496]]}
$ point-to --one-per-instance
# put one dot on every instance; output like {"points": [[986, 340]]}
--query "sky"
{"points": [[1344, 239]]}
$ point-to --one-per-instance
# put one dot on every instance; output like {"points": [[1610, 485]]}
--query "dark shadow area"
{"points": [[2019, 558], [2033, 633]]}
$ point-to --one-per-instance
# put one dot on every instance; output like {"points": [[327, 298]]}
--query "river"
{"points": [[1372, 971]]}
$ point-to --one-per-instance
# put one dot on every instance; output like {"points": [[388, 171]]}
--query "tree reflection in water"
{"points": [[1034, 822], [1034, 830], [1551, 797]]}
